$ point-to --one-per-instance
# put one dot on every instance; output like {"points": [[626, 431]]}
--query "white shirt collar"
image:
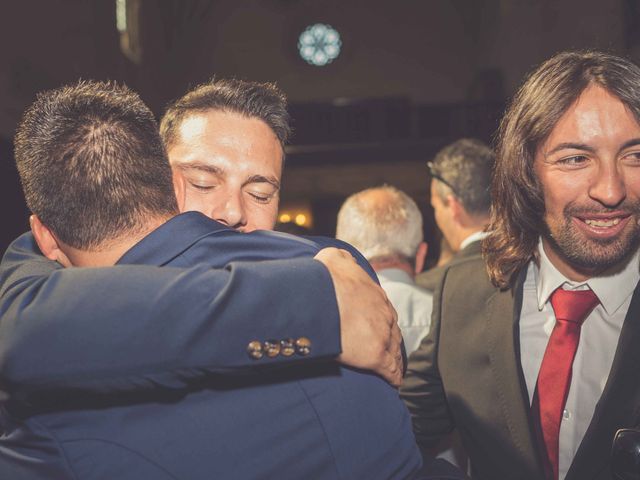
{"points": [[394, 275], [611, 290], [474, 237]]}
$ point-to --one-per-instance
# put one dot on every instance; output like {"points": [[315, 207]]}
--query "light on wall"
{"points": [[128, 25], [298, 213], [319, 44], [121, 15]]}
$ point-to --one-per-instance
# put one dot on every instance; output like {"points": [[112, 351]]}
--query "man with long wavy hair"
{"points": [[533, 352]]}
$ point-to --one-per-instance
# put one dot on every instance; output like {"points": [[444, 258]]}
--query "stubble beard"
{"points": [[594, 255]]}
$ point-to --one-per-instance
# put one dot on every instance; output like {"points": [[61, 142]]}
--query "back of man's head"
{"points": [[464, 170], [92, 164], [264, 101], [383, 223]]}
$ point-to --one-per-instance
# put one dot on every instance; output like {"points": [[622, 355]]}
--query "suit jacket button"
{"points": [[303, 346], [254, 349], [287, 348], [272, 348]]}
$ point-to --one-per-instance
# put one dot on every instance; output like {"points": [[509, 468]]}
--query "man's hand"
{"points": [[368, 323]]}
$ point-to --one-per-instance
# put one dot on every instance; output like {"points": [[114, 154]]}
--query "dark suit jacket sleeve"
{"points": [[324, 242], [422, 389], [206, 316]]}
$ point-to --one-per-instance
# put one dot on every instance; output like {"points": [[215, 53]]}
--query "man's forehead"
{"points": [[585, 113], [227, 143], [214, 120], [192, 126]]}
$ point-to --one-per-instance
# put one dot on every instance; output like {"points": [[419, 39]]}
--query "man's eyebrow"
{"points": [[571, 145], [582, 146], [630, 143], [262, 179], [205, 167]]}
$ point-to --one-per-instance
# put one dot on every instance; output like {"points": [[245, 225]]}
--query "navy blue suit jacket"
{"points": [[315, 420], [91, 326]]}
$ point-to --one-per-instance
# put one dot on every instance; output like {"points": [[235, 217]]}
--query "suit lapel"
{"points": [[503, 313], [619, 405]]}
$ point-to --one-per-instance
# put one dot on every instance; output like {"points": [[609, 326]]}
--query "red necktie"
{"points": [[571, 307]]}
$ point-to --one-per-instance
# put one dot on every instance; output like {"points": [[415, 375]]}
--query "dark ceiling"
{"points": [[412, 74]]}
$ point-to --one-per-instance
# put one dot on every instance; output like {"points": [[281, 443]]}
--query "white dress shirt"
{"points": [[474, 237], [412, 302], [598, 341]]}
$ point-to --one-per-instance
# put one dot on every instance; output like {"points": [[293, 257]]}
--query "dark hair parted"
{"points": [[518, 209], [465, 166], [264, 101], [92, 164]]}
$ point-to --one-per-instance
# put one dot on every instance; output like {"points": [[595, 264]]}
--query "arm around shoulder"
{"points": [[129, 327]]}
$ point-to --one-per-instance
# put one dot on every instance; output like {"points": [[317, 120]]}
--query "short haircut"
{"points": [[381, 222], [92, 164], [263, 101], [466, 166], [517, 217]]}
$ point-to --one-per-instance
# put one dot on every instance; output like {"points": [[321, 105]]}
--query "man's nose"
{"points": [[231, 212], [608, 186]]}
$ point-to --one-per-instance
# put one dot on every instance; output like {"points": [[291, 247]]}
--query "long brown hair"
{"points": [[517, 214]]}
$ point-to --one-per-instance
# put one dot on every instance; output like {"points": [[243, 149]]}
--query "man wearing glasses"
{"points": [[460, 176]]}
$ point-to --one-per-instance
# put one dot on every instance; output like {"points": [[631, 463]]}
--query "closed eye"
{"points": [[201, 187], [261, 197]]}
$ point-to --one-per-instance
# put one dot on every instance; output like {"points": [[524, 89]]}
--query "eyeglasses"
{"points": [[437, 176], [625, 454]]}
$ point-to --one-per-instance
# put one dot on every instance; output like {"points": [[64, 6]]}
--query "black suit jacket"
{"points": [[431, 278], [467, 373]]}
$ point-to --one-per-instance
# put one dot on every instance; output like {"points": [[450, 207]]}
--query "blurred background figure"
{"points": [[460, 181], [386, 226]]}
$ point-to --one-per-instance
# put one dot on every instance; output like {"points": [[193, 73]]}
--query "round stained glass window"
{"points": [[319, 44]]}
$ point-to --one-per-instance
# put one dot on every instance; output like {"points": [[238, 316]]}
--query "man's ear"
{"points": [[47, 242], [179, 186], [457, 210], [421, 254]]}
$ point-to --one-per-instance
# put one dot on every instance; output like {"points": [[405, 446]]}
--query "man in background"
{"points": [[385, 225], [460, 197]]}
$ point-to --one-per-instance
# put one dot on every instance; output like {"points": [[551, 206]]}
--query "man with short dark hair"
{"points": [[319, 421], [460, 177], [97, 176], [225, 141], [534, 355]]}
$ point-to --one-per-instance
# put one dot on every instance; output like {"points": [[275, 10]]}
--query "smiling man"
{"points": [[551, 372], [594, 145]]}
